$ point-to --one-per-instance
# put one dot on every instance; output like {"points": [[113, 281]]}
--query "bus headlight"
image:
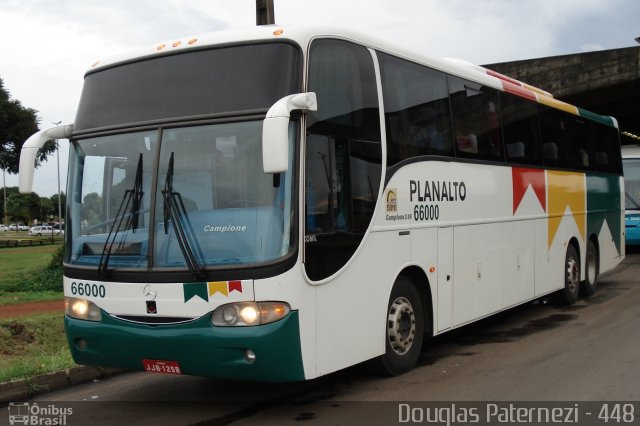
{"points": [[245, 314], [81, 309]]}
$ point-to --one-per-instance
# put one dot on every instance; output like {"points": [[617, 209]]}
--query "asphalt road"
{"points": [[538, 352]]}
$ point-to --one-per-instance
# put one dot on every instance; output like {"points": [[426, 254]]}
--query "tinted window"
{"points": [[520, 129], [416, 103], [200, 82], [476, 120], [613, 139], [342, 76], [343, 154], [554, 131], [581, 144], [606, 147]]}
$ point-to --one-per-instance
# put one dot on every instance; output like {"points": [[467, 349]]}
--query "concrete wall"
{"points": [[606, 82]]}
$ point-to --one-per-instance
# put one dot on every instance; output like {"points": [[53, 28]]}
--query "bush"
{"points": [[49, 279], [40, 279], [56, 258]]}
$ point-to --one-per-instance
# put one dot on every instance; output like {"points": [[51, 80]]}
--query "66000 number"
{"points": [[88, 289], [426, 212]]}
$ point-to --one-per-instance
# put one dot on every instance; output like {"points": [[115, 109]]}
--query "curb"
{"points": [[23, 389]]}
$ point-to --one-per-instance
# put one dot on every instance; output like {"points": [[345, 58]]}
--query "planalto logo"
{"points": [[25, 413]]}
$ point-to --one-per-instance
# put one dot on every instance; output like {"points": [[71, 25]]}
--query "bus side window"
{"points": [[520, 127], [476, 115], [416, 104], [605, 146], [343, 155], [581, 144], [320, 194], [554, 132]]}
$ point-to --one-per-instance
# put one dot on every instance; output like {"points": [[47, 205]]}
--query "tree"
{"points": [[10, 191], [92, 209], [47, 209], [54, 202], [23, 207], [17, 123]]}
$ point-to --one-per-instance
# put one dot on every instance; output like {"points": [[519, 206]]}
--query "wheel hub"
{"points": [[573, 274], [401, 326]]}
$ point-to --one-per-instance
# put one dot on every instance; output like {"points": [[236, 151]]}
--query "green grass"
{"points": [[26, 274], [36, 344], [17, 262], [32, 346]]}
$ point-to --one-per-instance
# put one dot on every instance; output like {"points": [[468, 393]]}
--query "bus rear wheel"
{"points": [[571, 276], [591, 269], [405, 330]]}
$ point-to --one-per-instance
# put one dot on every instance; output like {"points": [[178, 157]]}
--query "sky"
{"points": [[48, 45]]}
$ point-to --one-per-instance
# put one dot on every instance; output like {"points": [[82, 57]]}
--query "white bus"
{"points": [[282, 203]]}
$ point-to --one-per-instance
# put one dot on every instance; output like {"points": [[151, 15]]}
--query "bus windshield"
{"points": [[212, 205], [632, 183]]}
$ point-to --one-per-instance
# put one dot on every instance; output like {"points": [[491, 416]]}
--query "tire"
{"points": [[589, 285], [571, 276], [405, 330]]}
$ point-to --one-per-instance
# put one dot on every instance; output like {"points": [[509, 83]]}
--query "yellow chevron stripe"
{"points": [[566, 189]]}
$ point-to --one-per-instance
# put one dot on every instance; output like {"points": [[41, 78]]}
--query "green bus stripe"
{"points": [[603, 204], [596, 117]]}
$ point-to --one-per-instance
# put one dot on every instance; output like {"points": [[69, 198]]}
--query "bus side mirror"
{"points": [[30, 149], [275, 130]]}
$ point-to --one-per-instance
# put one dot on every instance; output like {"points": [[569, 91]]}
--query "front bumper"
{"points": [[200, 348]]}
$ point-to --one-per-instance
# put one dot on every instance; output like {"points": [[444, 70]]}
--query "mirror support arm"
{"points": [[29, 152], [275, 130]]}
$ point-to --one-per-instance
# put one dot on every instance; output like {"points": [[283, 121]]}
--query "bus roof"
{"points": [[304, 35]]}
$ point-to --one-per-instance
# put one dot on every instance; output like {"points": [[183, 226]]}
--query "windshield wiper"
{"points": [[134, 214], [175, 211], [130, 210]]}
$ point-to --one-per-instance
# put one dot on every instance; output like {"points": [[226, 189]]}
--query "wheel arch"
{"points": [[420, 280], [576, 244]]}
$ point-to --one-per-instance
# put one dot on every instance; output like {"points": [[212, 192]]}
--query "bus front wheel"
{"points": [[404, 331], [571, 276]]}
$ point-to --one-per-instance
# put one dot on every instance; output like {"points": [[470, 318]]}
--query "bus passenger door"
{"points": [[445, 279]]}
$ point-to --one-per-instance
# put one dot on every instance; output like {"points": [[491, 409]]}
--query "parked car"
{"points": [[4, 228], [57, 227], [43, 230], [23, 228], [13, 227]]}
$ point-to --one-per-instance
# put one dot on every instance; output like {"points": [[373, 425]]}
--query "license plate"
{"points": [[161, 366]]}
